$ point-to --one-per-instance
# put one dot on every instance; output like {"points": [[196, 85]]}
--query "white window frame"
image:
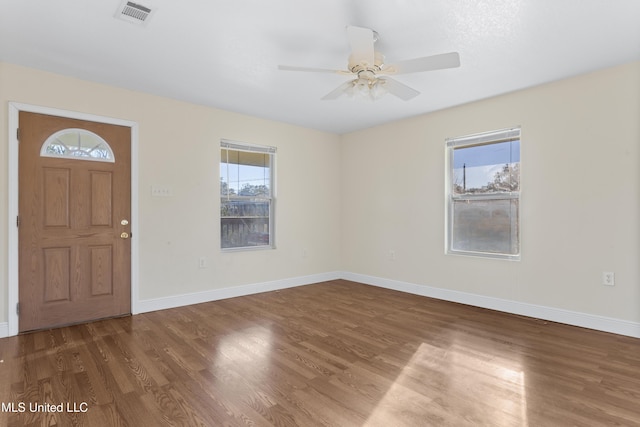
{"points": [[485, 138], [271, 199]]}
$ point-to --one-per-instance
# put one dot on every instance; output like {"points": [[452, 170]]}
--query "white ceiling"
{"points": [[225, 53]]}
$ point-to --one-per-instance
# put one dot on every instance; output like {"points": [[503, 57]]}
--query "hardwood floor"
{"points": [[332, 354]]}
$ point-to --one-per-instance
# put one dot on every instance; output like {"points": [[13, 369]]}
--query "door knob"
{"points": [[124, 235]]}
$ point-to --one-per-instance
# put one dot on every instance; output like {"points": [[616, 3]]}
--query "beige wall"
{"points": [[179, 147], [580, 201], [348, 200]]}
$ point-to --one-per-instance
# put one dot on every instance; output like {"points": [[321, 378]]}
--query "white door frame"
{"points": [[12, 261]]}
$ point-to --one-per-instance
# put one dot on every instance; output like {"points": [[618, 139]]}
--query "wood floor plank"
{"points": [[336, 353]]}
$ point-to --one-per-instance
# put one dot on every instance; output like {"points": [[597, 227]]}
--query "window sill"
{"points": [[488, 255], [248, 248]]}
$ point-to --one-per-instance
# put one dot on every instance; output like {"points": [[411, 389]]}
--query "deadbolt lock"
{"points": [[124, 235], [124, 222]]}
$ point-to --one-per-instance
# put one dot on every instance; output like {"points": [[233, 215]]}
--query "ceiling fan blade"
{"points": [[361, 42], [337, 92], [427, 63], [311, 69], [398, 89]]}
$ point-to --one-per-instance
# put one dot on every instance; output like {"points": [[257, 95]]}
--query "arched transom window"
{"points": [[77, 144]]}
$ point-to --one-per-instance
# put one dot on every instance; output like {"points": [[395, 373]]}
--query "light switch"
{"points": [[161, 191]]}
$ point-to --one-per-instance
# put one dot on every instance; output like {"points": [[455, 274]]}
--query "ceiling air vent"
{"points": [[134, 13]]}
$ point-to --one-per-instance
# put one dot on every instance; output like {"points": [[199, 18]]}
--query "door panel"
{"points": [[57, 274], [74, 266], [101, 195], [55, 183], [101, 270]]}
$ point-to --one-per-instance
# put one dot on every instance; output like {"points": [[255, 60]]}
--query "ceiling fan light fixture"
{"points": [[378, 89], [367, 88], [362, 88]]}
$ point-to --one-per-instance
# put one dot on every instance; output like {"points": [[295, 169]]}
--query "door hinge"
{"points": [[18, 134], [17, 221], [18, 308]]}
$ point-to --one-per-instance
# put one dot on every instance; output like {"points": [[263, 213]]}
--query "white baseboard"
{"points": [[4, 330], [590, 321], [154, 304], [584, 320]]}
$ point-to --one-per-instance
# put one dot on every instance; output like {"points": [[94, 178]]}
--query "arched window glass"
{"points": [[78, 144]]}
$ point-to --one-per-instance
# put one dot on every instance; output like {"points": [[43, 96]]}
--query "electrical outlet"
{"points": [[608, 278], [392, 255], [202, 262]]}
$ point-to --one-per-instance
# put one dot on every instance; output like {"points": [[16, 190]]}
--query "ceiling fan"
{"points": [[371, 74]]}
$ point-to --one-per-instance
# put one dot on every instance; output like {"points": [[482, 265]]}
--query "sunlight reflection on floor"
{"points": [[458, 386], [250, 347]]}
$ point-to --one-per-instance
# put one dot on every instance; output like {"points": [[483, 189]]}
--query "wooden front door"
{"points": [[74, 213]]}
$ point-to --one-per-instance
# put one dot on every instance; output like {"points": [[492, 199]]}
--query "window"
{"points": [[484, 194], [246, 195], [78, 144]]}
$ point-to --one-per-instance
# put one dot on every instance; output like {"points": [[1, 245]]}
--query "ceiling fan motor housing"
{"points": [[357, 67]]}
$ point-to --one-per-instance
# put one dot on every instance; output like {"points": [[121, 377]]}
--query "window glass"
{"points": [[78, 144], [487, 168], [246, 195], [485, 226], [484, 194]]}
